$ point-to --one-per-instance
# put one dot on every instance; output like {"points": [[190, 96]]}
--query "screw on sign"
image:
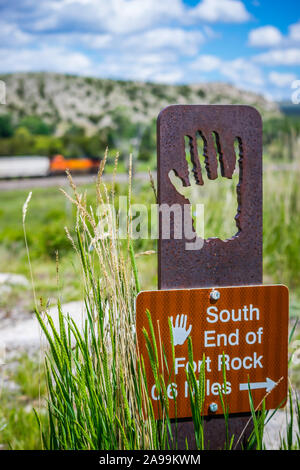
{"points": [[233, 319]]}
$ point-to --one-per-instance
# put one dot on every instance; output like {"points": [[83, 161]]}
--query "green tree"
{"points": [[124, 128], [48, 145], [22, 142], [148, 143], [35, 125], [6, 126], [93, 146]]}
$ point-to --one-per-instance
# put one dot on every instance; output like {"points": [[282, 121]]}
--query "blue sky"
{"points": [[254, 44]]}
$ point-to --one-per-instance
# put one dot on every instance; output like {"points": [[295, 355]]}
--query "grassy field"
{"points": [[49, 213], [57, 270]]}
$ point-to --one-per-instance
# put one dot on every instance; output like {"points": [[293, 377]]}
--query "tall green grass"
{"points": [[97, 395], [281, 227]]}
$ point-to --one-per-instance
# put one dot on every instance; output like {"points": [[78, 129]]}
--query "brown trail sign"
{"points": [[216, 263], [243, 332]]}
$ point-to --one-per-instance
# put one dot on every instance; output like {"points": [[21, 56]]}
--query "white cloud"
{"points": [[162, 66], [224, 11], [123, 16], [281, 80], [134, 39], [180, 40], [206, 63], [287, 57], [97, 41], [243, 73], [294, 32], [171, 76], [210, 33], [265, 36], [113, 16], [270, 36], [53, 59], [13, 36]]}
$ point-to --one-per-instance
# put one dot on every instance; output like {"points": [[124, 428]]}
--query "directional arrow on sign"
{"points": [[268, 385]]}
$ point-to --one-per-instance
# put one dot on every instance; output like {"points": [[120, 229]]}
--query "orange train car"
{"points": [[59, 165]]}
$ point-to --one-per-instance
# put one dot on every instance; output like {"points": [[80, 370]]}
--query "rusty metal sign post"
{"points": [[237, 261], [211, 315]]}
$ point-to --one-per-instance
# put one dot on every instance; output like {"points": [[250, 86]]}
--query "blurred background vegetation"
{"points": [[49, 114], [31, 135]]}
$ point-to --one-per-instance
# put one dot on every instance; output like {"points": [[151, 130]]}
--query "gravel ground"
{"points": [[275, 429], [25, 334]]}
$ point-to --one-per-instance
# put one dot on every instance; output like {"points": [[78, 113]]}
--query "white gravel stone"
{"points": [[27, 333]]}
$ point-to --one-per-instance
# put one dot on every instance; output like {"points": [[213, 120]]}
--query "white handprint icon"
{"points": [[180, 333]]}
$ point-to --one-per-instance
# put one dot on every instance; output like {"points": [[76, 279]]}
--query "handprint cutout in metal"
{"points": [[197, 152], [235, 260]]}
